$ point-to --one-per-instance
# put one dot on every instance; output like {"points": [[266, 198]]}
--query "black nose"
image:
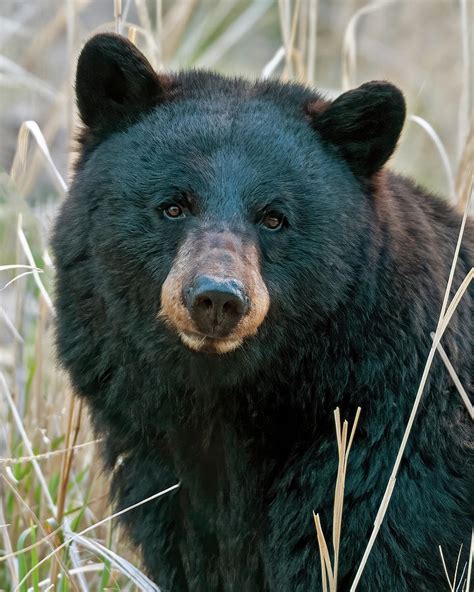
{"points": [[216, 305]]}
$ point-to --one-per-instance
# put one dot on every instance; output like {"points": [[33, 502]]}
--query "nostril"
{"points": [[205, 303], [234, 307]]}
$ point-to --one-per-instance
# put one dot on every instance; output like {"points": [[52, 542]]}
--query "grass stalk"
{"points": [[455, 379], [329, 570], [469, 563], [72, 432], [349, 45], [429, 129], [12, 565], [312, 41]]}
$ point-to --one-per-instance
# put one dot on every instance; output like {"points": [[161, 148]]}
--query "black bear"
{"points": [[233, 262]]}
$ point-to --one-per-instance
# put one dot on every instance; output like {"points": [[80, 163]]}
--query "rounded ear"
{"points": [[115, 82], [363, 124]]}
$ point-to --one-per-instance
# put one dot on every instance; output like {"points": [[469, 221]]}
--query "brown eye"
{"points": [[272, 221], [173, 212]]}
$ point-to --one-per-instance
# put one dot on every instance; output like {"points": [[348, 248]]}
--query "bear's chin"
{"points": [[210, 345]]}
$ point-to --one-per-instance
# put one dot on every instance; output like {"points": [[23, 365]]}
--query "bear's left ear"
{"points": [[363, 124], [115, 83]]}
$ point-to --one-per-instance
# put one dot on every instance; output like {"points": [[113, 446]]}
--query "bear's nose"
{"points": [[216, 305]]}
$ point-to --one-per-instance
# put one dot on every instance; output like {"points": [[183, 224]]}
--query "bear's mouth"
{"points": [[211, 345]]}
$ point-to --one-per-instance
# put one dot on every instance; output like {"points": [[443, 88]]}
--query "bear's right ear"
{"points": [[115, 83]]}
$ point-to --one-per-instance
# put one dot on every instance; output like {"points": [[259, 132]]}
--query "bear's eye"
{"points": [[173, 211], [272, 221]]}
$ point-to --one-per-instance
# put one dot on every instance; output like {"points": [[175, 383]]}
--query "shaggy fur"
{"points": [[355, 279]]}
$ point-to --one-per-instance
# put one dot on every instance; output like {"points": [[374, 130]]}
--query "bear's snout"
{"points": [[216, 305], [215, 296]]}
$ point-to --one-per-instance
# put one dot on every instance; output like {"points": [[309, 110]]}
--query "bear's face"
{"points": [[223, 212], [221, 218]]}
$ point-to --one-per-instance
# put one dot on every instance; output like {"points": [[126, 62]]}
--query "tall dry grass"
{"points": [[56, 525]]}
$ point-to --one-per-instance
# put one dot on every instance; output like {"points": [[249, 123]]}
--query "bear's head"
{"points": [[219, 213]]}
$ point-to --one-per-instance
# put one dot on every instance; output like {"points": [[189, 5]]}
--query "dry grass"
{"points": [[55, 520], [329, 569]]}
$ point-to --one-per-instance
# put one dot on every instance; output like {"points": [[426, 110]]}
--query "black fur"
{"points": [[356, 281]]}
